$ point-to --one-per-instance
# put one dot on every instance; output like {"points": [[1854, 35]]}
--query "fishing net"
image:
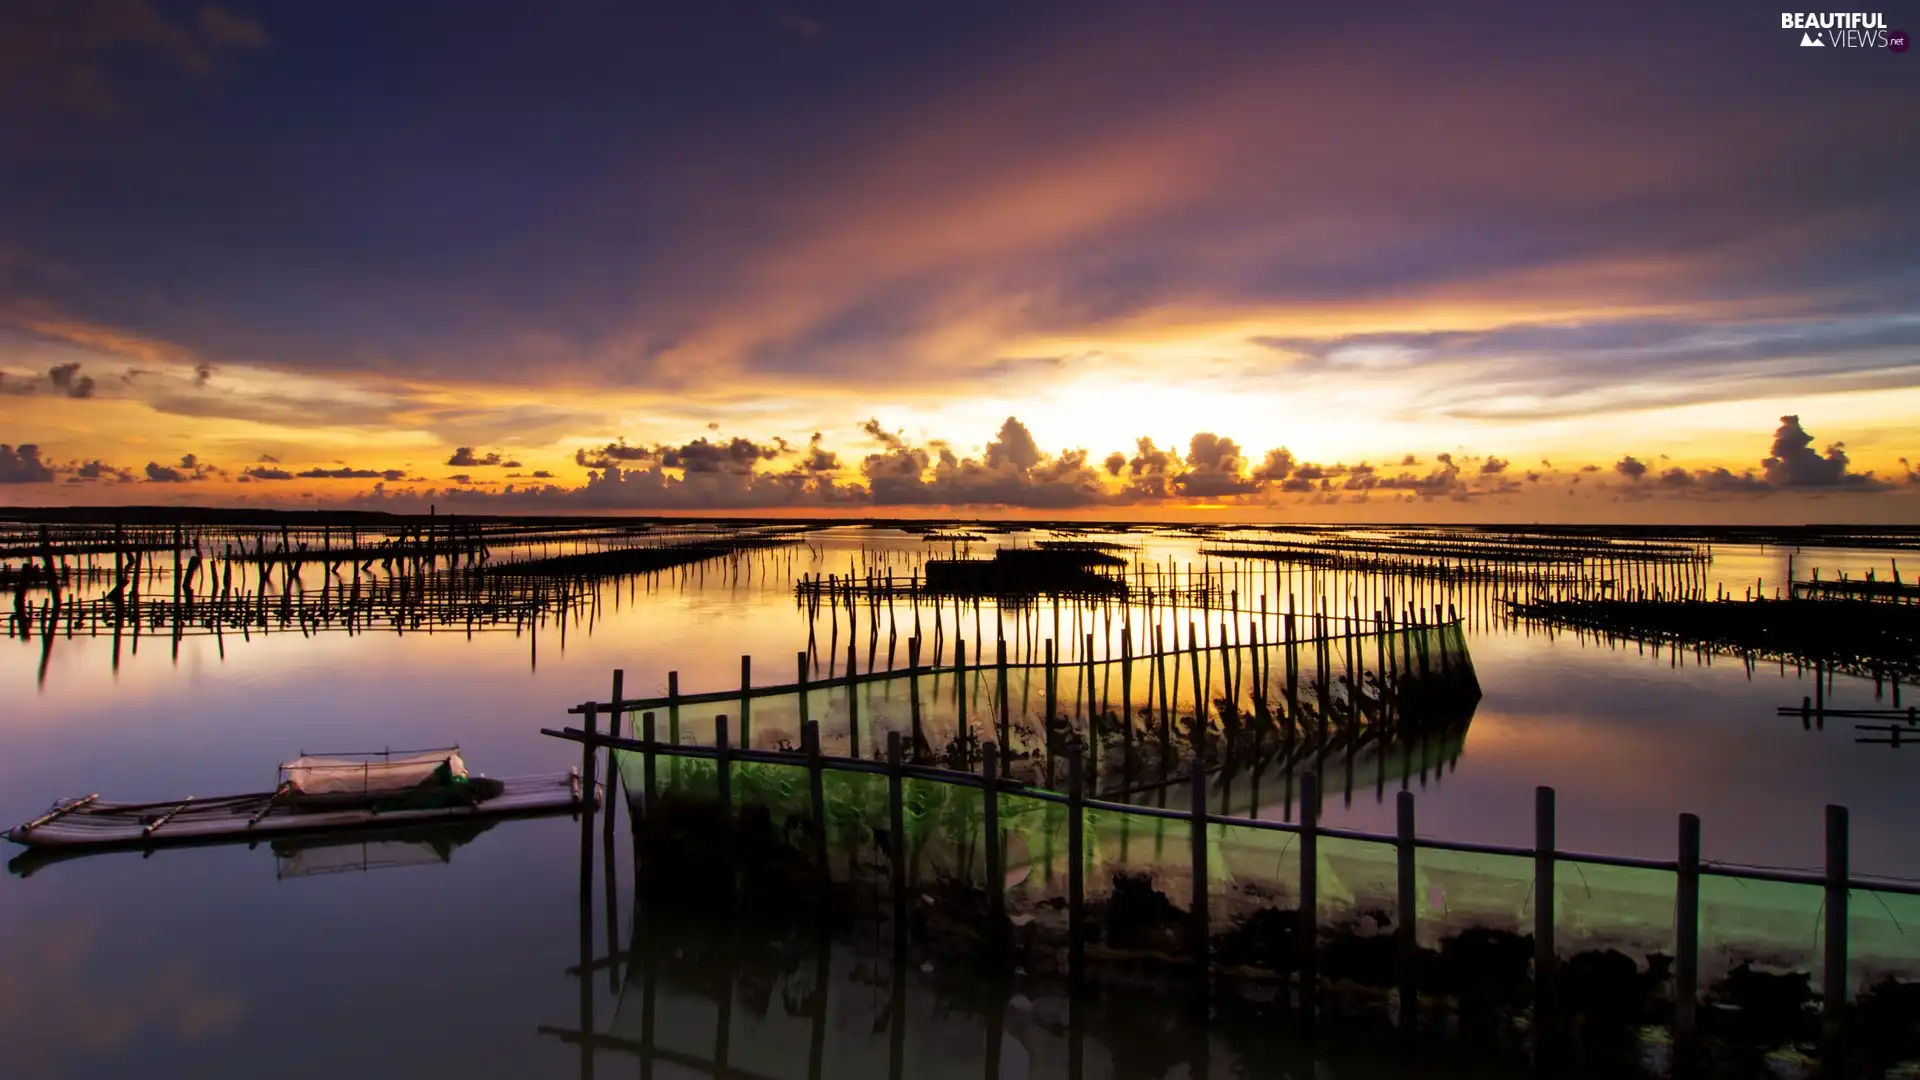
{"points": [[1627, 909]]}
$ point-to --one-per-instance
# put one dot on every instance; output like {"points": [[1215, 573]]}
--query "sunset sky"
{"points": [[1236, 261]]}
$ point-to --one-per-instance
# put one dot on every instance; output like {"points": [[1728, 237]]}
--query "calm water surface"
{"points": [[215, 961]]}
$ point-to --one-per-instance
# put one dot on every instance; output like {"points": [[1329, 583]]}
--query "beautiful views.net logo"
{"points": [[1844, 30]]}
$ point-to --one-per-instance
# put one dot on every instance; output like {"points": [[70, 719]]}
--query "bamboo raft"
{"points": [[87, 822]]}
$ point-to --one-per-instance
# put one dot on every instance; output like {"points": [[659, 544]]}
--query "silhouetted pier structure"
{"points": [[1867, 638], [637, 558], [1465, 546], [1868, 587], [164, 583], [67, 552], [1564, 565]]}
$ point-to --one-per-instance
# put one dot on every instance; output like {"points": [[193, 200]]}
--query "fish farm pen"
{"points": [[1277, 682], [177, 582], [1865, 626], [1081, 808], [446, 575], [1432, 933], [52, 555], [1103, 594]]}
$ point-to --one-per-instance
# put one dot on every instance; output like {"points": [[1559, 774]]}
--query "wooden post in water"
{"points": [[1293, 666], [1200, 691], [1197, 843], [1076, 866], [1408, 913], [1686, 935], [589, 747], [1049, 684], [996, 872], [648, 766], [817, 797], [960, 688], [1166, 706], [913, 692], [723, 770], [1086, 691], [1833, 975], [673, 707], [1309, 929], [1543, 956], [723, 793], [613, 728], [1000, 687], [800, 687], [746, 701], [853, 701], [1126, 705], [897, 834]]}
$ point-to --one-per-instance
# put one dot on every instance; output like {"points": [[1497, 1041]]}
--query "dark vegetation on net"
{"points": [[1476, 993]]}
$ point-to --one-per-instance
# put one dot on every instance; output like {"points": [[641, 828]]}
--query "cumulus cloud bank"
{"points": [[23, 466], [1010, 472]]}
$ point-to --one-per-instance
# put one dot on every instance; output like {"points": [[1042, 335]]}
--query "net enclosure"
{"points": [[382, 773]]}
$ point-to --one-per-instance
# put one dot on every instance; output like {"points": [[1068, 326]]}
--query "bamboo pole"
{"points": [[816, 795], [1000, 688], [1833, 975], [589, 748], [649, 773], [1406, 932], [1200, 691], [613, 728], [723, 793], [1202, 929], [1126, 704], [1309, 926], [1050, 692], [1076, 866], [1543, 911], [913, 692], [897, 839], [746, 701], [960, 688], [853, 700], [673, 705], [995, 862], [800, 685], [1686, 933]]}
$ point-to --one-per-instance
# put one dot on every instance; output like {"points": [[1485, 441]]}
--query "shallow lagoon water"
{"points": [[205, 961]]}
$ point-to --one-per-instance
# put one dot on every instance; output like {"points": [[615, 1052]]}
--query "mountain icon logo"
{"points": [[1808, 41]]}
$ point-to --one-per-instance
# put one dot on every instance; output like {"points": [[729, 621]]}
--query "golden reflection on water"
{"points": [[1628, 738]]}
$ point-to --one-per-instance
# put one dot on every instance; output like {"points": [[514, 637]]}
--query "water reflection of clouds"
{"points": [[64, 994]]}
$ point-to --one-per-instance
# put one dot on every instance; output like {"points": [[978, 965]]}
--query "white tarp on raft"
{"points": [[373, 774]]}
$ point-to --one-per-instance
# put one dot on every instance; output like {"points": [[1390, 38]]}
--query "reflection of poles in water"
{"points": [[611, 898], [46, 639], [586, 924]]}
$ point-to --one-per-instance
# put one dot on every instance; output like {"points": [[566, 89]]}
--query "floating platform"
{"points": [[88, 823]]}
